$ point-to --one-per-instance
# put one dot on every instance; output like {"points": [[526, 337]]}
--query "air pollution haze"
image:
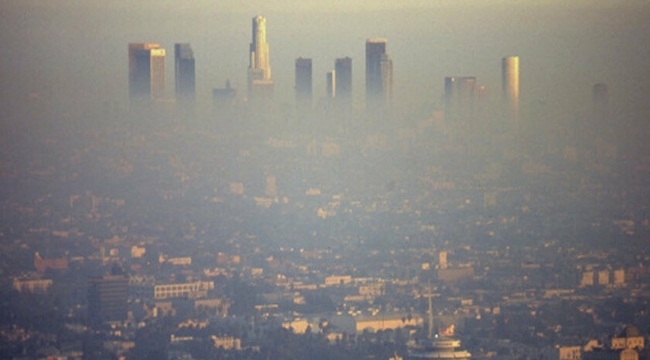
{"points": [[73, 52], [308, 179]]}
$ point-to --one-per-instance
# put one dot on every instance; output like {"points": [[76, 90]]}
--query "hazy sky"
{"points": [[74, 52]]}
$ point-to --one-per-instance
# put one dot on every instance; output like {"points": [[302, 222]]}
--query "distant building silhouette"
{"points": [[224, 101], [303, 84], [386, 67], [146, 72], [107, 298], [184, 73], [510, 87], [460, 98], [260, 85], [379, 76], [331, 84], [343, 82]]}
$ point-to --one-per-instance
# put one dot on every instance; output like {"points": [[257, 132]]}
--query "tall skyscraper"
{"points": [[157, 73], [224, 102], [379, 76], [303, 84], [510, 86], [107, 298], [184, 73], [146, 71], [343, 71], [460, 96], [386, 66], [260, 84]]}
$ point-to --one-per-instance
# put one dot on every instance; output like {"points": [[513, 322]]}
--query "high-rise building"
{"points": [[386, 66], [224, 101], [343, 82], [460, 96], [303, 84], [331, 84], [260, 84], [184, 73], [107, 298], [157, 73], [379, 76], [510, 86], [146, 71]]}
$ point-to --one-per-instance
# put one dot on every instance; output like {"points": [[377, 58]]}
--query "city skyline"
{"points": [[459, 91], [460, 95], [429, 43]]}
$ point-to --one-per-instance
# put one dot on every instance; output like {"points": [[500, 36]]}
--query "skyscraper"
{"points": [[331, 84], [146, 71], [343, 82], [510, 86], [184, 73], [460, 95], [224, 102], [260, 84], [386, 67], [303, 84], [379, 76]]}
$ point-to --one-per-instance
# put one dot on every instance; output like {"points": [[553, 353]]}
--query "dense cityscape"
{"points": [[328, 229]]}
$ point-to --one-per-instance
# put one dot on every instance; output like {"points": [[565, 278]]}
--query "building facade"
{"points": [[331, 84], [379, 76], [32, 286], [303, 78], [343, 82], [148, 289], [184, 71], [260, 84], [510, 87], [146, 72], [107, 298], [460, 95], [42, 264]]}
